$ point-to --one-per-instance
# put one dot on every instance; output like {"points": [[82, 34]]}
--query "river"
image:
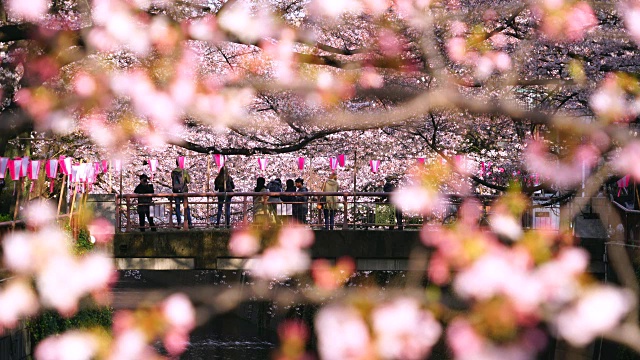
{"points": [[246, 333]]}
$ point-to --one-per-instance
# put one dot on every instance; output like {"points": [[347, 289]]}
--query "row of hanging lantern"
{"points": [[81, 173], [85, 173]]}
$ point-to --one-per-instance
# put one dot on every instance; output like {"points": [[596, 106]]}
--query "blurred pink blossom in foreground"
{"points": [[32, 10], [403, 330], [72, 345], [342, 334], [17, 300], [287, 257], [599, 310]]}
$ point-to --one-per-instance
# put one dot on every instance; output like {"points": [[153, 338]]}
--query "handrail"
{"points": [[624, 208]]}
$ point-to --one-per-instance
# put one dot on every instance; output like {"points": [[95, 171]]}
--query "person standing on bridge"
{"points": [[301, 207], [331, 202], [389, 187], [179, 180], [224, 184], [144, 187]]}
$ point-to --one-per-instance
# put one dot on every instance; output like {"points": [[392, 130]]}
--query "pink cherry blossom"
{"points": [[580, 19], [506, 225], [492, 274], [416, 199], [39, 214], [176, 342], [457, 49], [72, 345], [179, 312], [130, 344], [628, 160], [18, 253], [243, 244], [32, 10], [467, 344], [84, 85], [599, 310], [403, 330], [342, 334], [280, 262], [17, 300], [295, 236], [102, 230], [608, 101], [630, 12], [463, 340], [564, 173]]}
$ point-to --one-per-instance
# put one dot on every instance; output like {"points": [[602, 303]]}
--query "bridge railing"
{"points": [[354, 210], [630, 221]]}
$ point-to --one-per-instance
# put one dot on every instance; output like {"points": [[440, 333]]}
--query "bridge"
{"points": [[362, 231], [355, 210]]}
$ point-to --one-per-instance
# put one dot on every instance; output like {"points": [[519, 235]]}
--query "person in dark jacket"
{"points": [[390, 187], [144, 187], [224, 184], [274, 186], [288, 201], [301, 207]]}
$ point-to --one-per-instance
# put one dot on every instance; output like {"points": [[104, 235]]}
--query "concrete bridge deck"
{"points": [[208, 250]]}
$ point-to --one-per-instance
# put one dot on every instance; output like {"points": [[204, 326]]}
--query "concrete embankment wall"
{"points": [[372, 250]]}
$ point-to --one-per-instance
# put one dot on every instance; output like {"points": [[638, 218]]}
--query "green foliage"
{"points": [[6, 202], [5, 217], [50, 322], [83, 244]]}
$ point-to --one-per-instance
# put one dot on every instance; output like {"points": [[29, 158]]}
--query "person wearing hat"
{"points": [[144, 187], [390, 187], [301, 207]]}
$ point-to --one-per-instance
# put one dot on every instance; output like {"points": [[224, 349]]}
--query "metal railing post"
{"points": [[185, 222], [345, 223], [244, 211], [127, 202], [118, 214]]}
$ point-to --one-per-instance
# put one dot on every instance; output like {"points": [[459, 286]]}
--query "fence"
{"points": [[355, 210]]}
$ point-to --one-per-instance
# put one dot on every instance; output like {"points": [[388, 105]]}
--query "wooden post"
{"points": [[73, 201], [208, 189], [15, 210], [64, 178]]}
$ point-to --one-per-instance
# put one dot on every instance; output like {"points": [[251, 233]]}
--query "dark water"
{"points": [[229, 336], [247, 332]]}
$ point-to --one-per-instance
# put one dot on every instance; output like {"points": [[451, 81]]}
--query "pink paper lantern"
{"points": [[333, 163], [105, 166], [65, 164], [300, 163], [375, 165], [262, 163], [24, 169], [51, 169], [341, 160], [421, 161], [181, 162], [15, 166], [33, 169], [4, 163], [117, 165], [219, 160]]}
